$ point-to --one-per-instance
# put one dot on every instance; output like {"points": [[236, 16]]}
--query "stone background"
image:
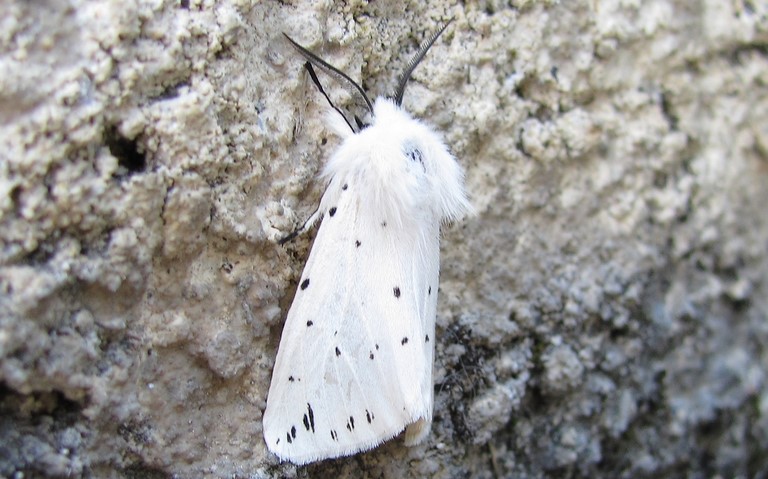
{"points": [[603, 315]]}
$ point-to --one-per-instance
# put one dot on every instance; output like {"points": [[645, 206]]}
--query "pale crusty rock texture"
{"points": [[603, 315]]}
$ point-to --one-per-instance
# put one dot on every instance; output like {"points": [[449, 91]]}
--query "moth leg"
{"points": [[302, 229], [416, 432]]}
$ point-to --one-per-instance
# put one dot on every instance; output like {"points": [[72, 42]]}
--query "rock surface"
{"points": [[603, 315]]}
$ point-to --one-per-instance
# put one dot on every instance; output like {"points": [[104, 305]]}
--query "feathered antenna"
{"points": [[337, 75], [398, 96]]}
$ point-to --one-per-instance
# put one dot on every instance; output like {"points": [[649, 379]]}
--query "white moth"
{"points": [[354, 366]]}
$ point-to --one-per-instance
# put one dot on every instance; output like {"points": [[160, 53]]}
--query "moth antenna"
{"points": [[398, 96], [334, 73], [319, 86]]}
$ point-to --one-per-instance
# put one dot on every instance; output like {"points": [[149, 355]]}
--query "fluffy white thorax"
{"points": [[380, 160]]}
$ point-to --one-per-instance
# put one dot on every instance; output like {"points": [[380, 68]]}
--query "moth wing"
{"points": [[354, 365]]}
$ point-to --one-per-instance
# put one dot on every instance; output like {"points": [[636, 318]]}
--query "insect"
{"points": [[354, 365]]}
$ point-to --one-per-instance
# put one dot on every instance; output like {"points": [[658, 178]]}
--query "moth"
{"points": [[354, 364]]}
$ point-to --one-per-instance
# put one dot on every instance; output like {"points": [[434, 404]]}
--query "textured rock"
{"points": [[604, 314]]}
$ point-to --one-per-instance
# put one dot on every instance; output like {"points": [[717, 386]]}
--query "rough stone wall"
{"points": [[603, 315]]}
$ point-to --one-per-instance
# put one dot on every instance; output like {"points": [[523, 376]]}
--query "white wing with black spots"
{"points": [[354, 366]]}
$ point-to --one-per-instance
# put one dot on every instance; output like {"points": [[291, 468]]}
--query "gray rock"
{"points": [[603, 315]]}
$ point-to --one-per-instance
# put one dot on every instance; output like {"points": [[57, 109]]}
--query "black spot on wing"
{"points": [[344, 187], [304, 284], [332, 211], [288, 436], [291, 379], [357, 243], [310, 323], [368, 416], [429, 291], [426, 338], [370, 355], [404, 341], [396, 290], [334, 435], [293, 432], [338, 351], [383, 224], [311, 417], [351, 424]]}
